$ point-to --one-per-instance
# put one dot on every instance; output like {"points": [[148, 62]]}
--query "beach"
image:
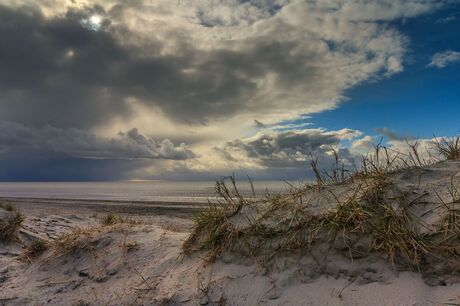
{"points": [[87, 208], [133, 253], [229, 152]]}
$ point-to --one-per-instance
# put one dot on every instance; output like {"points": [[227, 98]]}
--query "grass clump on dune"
{"points": [[373, 216], [112, 219], [78, 239], [10, 226], [449, 148], [212, 229], [7, 207], [389, 227], [36, 248]]}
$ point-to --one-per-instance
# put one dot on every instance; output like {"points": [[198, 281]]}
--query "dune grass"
{"points": [[112, 218], [390, 228], [449, 148], [291, 227], [213, 220], [283, 223], [35, 249], [9, 229], [7, 207], [78, 239]]}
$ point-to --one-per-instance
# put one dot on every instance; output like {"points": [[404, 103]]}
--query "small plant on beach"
{"points": [[390, 229], [212, 229], [449, 148], [78, 239], [212, 221], [393, 233], [383, 160], [35, 249], [112, 219], [7, 207], [450, 225], [10, 227], [380, 161], [338, 173]]}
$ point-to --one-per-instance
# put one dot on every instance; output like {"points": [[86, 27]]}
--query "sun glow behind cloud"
{"points": [[93, 22]]}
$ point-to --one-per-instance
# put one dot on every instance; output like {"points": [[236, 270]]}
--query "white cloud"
{"points": [[445, 58], [363, 145], [446, 19]]}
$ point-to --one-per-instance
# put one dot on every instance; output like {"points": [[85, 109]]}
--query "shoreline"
{"points": [[104, 201], [88, 206]]}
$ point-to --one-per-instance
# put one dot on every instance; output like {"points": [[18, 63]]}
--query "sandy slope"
{"points": [[142, 264], [154, 273]]}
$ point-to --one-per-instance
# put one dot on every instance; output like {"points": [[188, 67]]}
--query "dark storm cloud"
{"points": [[292, 148], [39, 164], [57, 71], [66, 71], [80, 144], [61, 73], [39, 81]]}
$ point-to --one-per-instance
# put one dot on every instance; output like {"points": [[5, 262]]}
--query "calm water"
{"points": [[129, 191]]}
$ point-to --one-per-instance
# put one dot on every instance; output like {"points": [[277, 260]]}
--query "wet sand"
{"points": [[89, 207]]}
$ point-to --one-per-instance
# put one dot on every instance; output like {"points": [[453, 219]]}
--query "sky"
{"points": [[197, 89]]}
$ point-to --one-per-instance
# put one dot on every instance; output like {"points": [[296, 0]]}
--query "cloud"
{"points": [[392, 135], [204, 72], [364, 144], [446, 19], [81, 144], [287, 149], [445, 58], [43, 165], [196, 63], [259, 124]]}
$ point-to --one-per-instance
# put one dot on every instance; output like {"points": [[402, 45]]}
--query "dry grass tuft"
{"points": [[337, 174], [212, 229], [450, 225], [8, 230], [7, 207], [449, 148], [112, 219], [35, 249], [284, 227], [390, 229], [380, 161], [78, 239]]}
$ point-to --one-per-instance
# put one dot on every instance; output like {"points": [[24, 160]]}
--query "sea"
{"points": [[143, 191]]}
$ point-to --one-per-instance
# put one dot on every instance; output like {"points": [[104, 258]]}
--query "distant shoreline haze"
{"points": [[169, 191]]}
